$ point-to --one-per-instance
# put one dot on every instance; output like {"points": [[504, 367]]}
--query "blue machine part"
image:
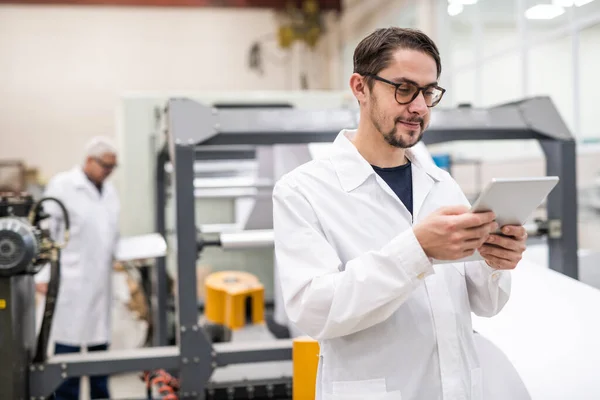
{"points": [[443, 161]]}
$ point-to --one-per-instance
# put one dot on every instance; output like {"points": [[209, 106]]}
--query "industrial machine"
{"points": [[203, 132], [196, 131], [25, 247]]}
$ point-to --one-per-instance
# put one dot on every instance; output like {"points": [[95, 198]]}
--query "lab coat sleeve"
{"points": [[325, 298], [54, 223], [489, 289]]}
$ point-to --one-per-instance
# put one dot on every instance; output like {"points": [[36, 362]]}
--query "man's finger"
{"points": [[479, 234], [508, 243], [515, 231], [499, 263], [472, 220], [499, 252]]}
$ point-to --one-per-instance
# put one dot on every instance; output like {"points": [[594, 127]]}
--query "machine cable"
{"points": [[53, 285], [51, 296]]}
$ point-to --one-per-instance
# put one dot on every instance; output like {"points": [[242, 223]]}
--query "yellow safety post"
{"points": [[305, 361], [234, 299]]}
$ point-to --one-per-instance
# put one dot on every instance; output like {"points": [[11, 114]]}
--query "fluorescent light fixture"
{"points": [[580, 3], [455, 9], [544, 11]]}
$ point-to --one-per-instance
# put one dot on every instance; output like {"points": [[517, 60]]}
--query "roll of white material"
{"points": [[258, 238], [549, 331]]}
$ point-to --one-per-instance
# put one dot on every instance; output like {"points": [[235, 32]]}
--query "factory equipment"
{"points": [[194, 126], [25, 247], [191, 127]]}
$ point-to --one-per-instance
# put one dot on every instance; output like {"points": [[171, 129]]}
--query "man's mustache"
{"points": [[414, 120]]}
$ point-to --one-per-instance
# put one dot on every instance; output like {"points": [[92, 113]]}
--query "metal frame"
{"points": [[192, 124]]}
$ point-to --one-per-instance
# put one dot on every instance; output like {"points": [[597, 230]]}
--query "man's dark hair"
{"points": [[374, 52]]}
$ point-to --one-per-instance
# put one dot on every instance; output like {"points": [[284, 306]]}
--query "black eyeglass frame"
{"points": [[419, 89], [108, 167]]}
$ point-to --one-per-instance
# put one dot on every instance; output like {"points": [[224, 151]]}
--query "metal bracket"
{"points": [[555, 229]]}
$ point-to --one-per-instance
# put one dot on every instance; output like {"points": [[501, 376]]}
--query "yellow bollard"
{"points": [[305, 360], [234, 299]]}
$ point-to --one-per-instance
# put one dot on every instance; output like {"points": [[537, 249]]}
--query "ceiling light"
{"points": [[454, 9], [544, 11]]}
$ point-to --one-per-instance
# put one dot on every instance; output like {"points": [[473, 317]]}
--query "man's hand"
{"points": [[452, 233], [41, 288], [505, 252]]}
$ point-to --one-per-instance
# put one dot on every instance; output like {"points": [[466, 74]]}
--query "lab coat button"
{"points": [[421, 275]]}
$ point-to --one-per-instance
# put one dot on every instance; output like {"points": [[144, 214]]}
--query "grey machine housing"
{"points": [[192, 127]]}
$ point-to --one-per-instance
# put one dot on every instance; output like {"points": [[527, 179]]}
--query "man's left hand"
{"points": [[505, 252]]}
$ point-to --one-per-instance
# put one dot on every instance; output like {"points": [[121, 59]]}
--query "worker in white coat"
{"points": [[83, 310], [357, 235]]}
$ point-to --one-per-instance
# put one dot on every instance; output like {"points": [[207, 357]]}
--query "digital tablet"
{"points": [[513, 200]]}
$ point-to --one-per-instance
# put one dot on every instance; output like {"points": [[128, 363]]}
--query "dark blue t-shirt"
{"points": [[399, 179]]}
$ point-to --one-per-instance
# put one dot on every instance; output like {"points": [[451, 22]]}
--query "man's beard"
{"points": [[390, 136], [394, 140]]}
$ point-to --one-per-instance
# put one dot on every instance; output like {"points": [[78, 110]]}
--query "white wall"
{"points": [[550, 72], [63, 68], [381, 15]]}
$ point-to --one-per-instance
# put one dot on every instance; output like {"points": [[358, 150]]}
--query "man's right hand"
{"points": [[41, 288], [454, 232]]}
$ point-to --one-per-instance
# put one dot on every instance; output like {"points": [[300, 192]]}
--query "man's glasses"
{"points": [[106, 166], [406, 92]]}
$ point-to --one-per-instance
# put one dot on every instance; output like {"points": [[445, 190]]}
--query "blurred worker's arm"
{"points": [[319, 298], [55, 225]]}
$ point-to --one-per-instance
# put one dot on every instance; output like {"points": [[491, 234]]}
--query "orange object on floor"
{"points": [[234, 299], [305, 361]]}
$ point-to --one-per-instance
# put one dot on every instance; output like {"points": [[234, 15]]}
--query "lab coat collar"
{"points": [[353, 170], [81, 181]]}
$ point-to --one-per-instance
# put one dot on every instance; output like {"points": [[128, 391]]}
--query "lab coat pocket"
{"points": [[372, 389], [476, 384]]}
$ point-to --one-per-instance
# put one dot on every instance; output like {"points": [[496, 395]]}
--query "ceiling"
{"points": [[272, 4], [504, 13]]}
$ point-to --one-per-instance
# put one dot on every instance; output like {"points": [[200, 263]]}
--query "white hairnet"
{"points": [[100, 145]]}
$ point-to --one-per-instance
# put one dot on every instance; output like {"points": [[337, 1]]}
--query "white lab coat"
{"points": [[83, 311], [391, 326]]}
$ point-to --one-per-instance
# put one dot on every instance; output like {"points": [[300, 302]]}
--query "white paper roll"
{"points": [[247, 239]]}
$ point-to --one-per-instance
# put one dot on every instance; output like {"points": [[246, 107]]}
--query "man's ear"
{"points": [[359, 87]]}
